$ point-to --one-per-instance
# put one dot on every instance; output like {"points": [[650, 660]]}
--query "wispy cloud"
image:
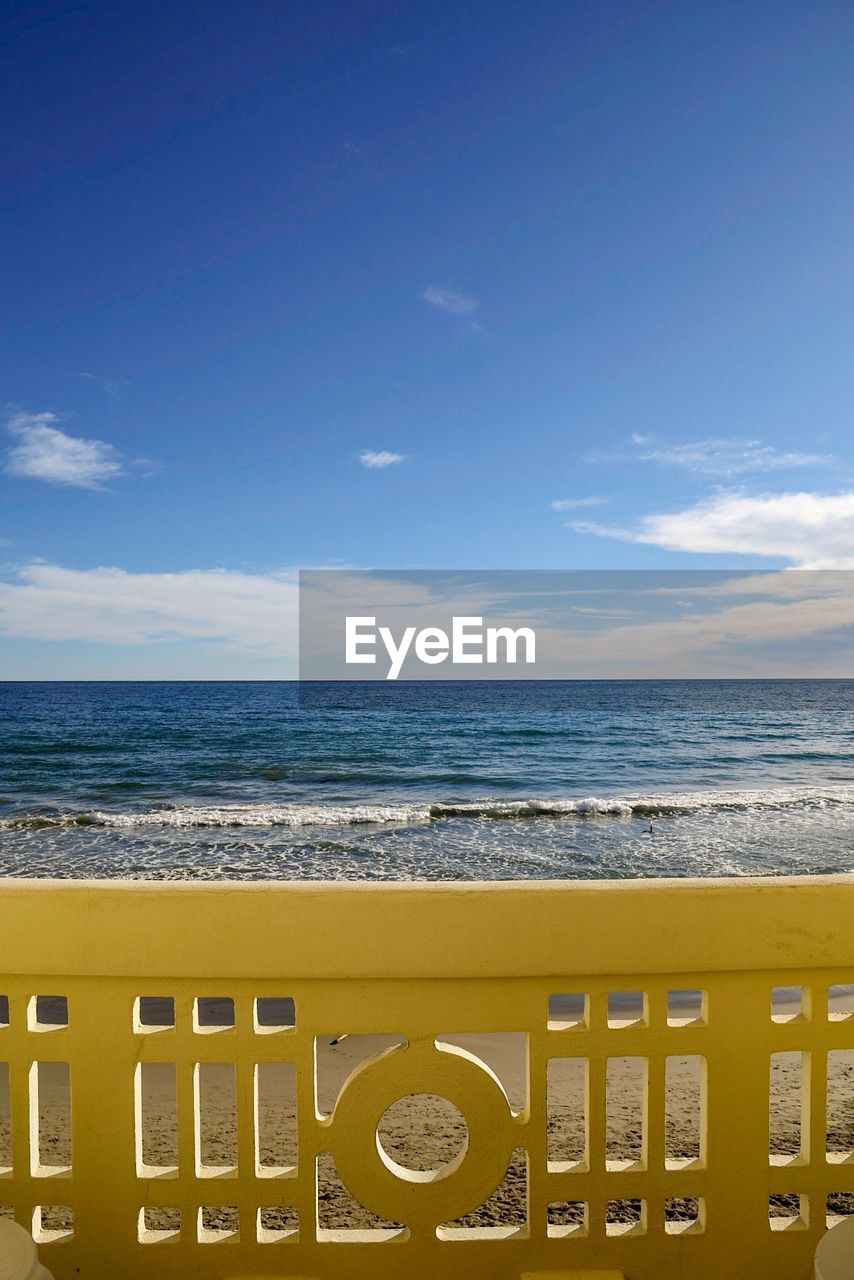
{"points": [[646, 624], [723, 456], [812, 530], [254, 613], [110, 387], [571, 504], [458, 304], [44, 452], [376, 459], [771, 624]]}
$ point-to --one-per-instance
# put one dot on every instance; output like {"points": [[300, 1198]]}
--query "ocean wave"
{"points": [[659, 805]]}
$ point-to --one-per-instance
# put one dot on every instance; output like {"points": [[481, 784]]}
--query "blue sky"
{"points": [[555, 285]]}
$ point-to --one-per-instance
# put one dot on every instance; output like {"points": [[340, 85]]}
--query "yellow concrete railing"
{"points": [[215, 1130]]}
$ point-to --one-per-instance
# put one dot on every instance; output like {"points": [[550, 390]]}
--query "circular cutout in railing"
{"points": [[422, 1137]]}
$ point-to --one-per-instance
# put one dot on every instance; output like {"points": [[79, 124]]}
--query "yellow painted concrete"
{"points": [[423, 961]]}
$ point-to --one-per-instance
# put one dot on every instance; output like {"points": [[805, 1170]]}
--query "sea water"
{"points": [[435, 780]]}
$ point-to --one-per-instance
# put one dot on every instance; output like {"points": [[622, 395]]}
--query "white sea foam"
{"points": [[654, 805], [269, 815]]}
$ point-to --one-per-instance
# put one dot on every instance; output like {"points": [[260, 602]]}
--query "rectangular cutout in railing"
{"points": [[684, 1215], [273, 1014], [5, 1123], [213, 1014], [627, 1009], [684, 1111], [787, 1108], [838, 1206], [153, 1013], [502, 1215], [791, 1004], [340, 1218], [275, 1120], [52, 1222], [788, 1212], [4, 1012], [156, 1119], [567, 1218], [840, 1106], [625, 1218], [216, 1223], [687, 1007], [568, 1010], [215, 1120], [277, 1223], [626, 1091], [840, 1002], [47, 1013], [568, 1142], [50, 1119], [158, 1224]]}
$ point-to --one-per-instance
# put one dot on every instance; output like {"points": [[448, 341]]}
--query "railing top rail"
{"points": [[411, 930]]}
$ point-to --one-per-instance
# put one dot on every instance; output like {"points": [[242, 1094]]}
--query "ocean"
{"points": [[433, 780]]}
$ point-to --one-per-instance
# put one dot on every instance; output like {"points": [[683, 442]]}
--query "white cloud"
{"points": [[110, 387], [754, 624], [759, 638], [247, 616], [44, 452], [812, 530], [375, 459], [252, 613], [458, 304], [570, 504], [723, 456]]}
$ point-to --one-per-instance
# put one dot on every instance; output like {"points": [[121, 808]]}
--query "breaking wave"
{"points": [[661, 805]]}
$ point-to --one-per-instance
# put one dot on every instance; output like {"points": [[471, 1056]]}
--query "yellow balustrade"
{"points": [[109, 982]]}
